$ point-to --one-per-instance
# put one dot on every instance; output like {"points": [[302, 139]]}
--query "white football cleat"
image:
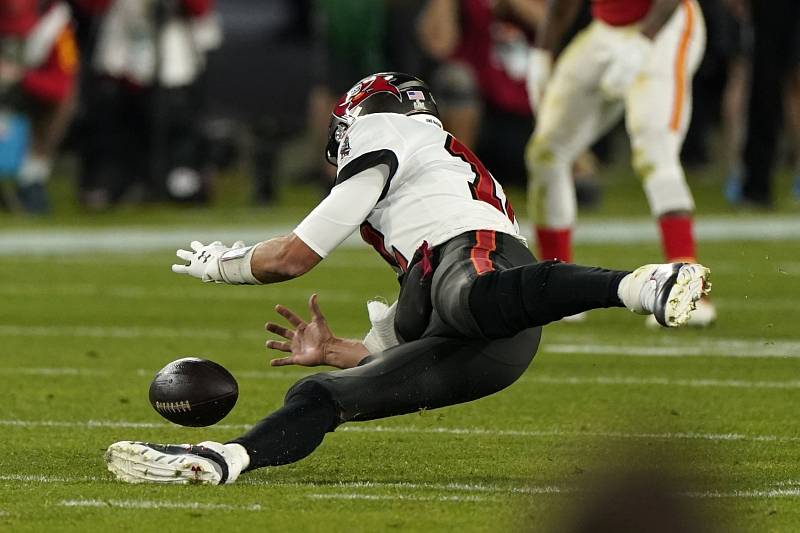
{"points": [[705, 315], [207, 463], [669, 291]]}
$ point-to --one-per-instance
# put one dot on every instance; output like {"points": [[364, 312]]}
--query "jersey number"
{"points": [[483, 187]]}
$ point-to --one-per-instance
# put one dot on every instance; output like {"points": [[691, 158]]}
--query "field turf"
{"points": [[714, 411]]}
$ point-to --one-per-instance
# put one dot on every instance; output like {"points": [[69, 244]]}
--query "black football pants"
{"points": [[469, 330]]}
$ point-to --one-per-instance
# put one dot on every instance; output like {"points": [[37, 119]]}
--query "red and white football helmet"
{"points": [[384, 92]]}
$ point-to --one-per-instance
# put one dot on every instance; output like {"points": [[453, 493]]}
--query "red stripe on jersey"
{"points": [[486, 243], [402, 262], [510, 211], [375, 239], [484, 188]]}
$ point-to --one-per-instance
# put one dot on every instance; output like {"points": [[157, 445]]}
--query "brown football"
{"points": [[193, 392]]}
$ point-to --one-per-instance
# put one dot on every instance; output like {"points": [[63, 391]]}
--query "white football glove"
{"points": [[627, 63], [218, 263], [540, 66]]}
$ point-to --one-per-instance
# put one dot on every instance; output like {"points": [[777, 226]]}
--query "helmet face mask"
{"points": [[336, 132], [384, 92]]}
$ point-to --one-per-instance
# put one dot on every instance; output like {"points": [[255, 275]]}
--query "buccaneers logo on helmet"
{"points": [[359, 93]]}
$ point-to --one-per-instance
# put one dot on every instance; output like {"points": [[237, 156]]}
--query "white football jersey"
{"points": [[436, 188]]}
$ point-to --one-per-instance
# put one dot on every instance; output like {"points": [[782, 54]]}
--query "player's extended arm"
{"points": [[292, 255], [282, 258], [270, 261], [313, 343]]}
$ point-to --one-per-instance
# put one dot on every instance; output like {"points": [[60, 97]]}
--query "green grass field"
{"points": [[81, 335]]}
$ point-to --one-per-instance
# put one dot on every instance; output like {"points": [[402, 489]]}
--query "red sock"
{"points": [[554, 244], [677, 238]]}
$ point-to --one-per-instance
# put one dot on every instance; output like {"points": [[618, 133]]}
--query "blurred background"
{"points": [[136, 126], [147, 106]]}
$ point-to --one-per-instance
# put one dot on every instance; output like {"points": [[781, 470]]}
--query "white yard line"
{"points": [[716, 437], [770, 493], [662, 381], [588, 345], [160, 504], [411, 486], [349, 485], [410, 430], [758, 350], [399, 497], [138, 239], [42, 478], [453, 492]]}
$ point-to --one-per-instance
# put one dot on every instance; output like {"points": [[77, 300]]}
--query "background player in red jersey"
{"points": [[38, 66], [637, 57]]}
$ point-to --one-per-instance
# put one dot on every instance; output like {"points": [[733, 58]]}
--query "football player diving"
{"points": [[472, 301]]}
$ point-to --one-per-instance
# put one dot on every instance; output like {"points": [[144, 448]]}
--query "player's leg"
{"points": [[504, 301], [425, 374], [484, 286], [428, 373], [658, 109], [573, 114], [487, 284]]}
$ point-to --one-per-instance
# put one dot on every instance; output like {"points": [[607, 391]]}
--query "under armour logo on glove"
{"points": [[203, 261]]}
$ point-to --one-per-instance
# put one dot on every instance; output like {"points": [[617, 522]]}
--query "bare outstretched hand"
{"points": [[307, 342]]}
